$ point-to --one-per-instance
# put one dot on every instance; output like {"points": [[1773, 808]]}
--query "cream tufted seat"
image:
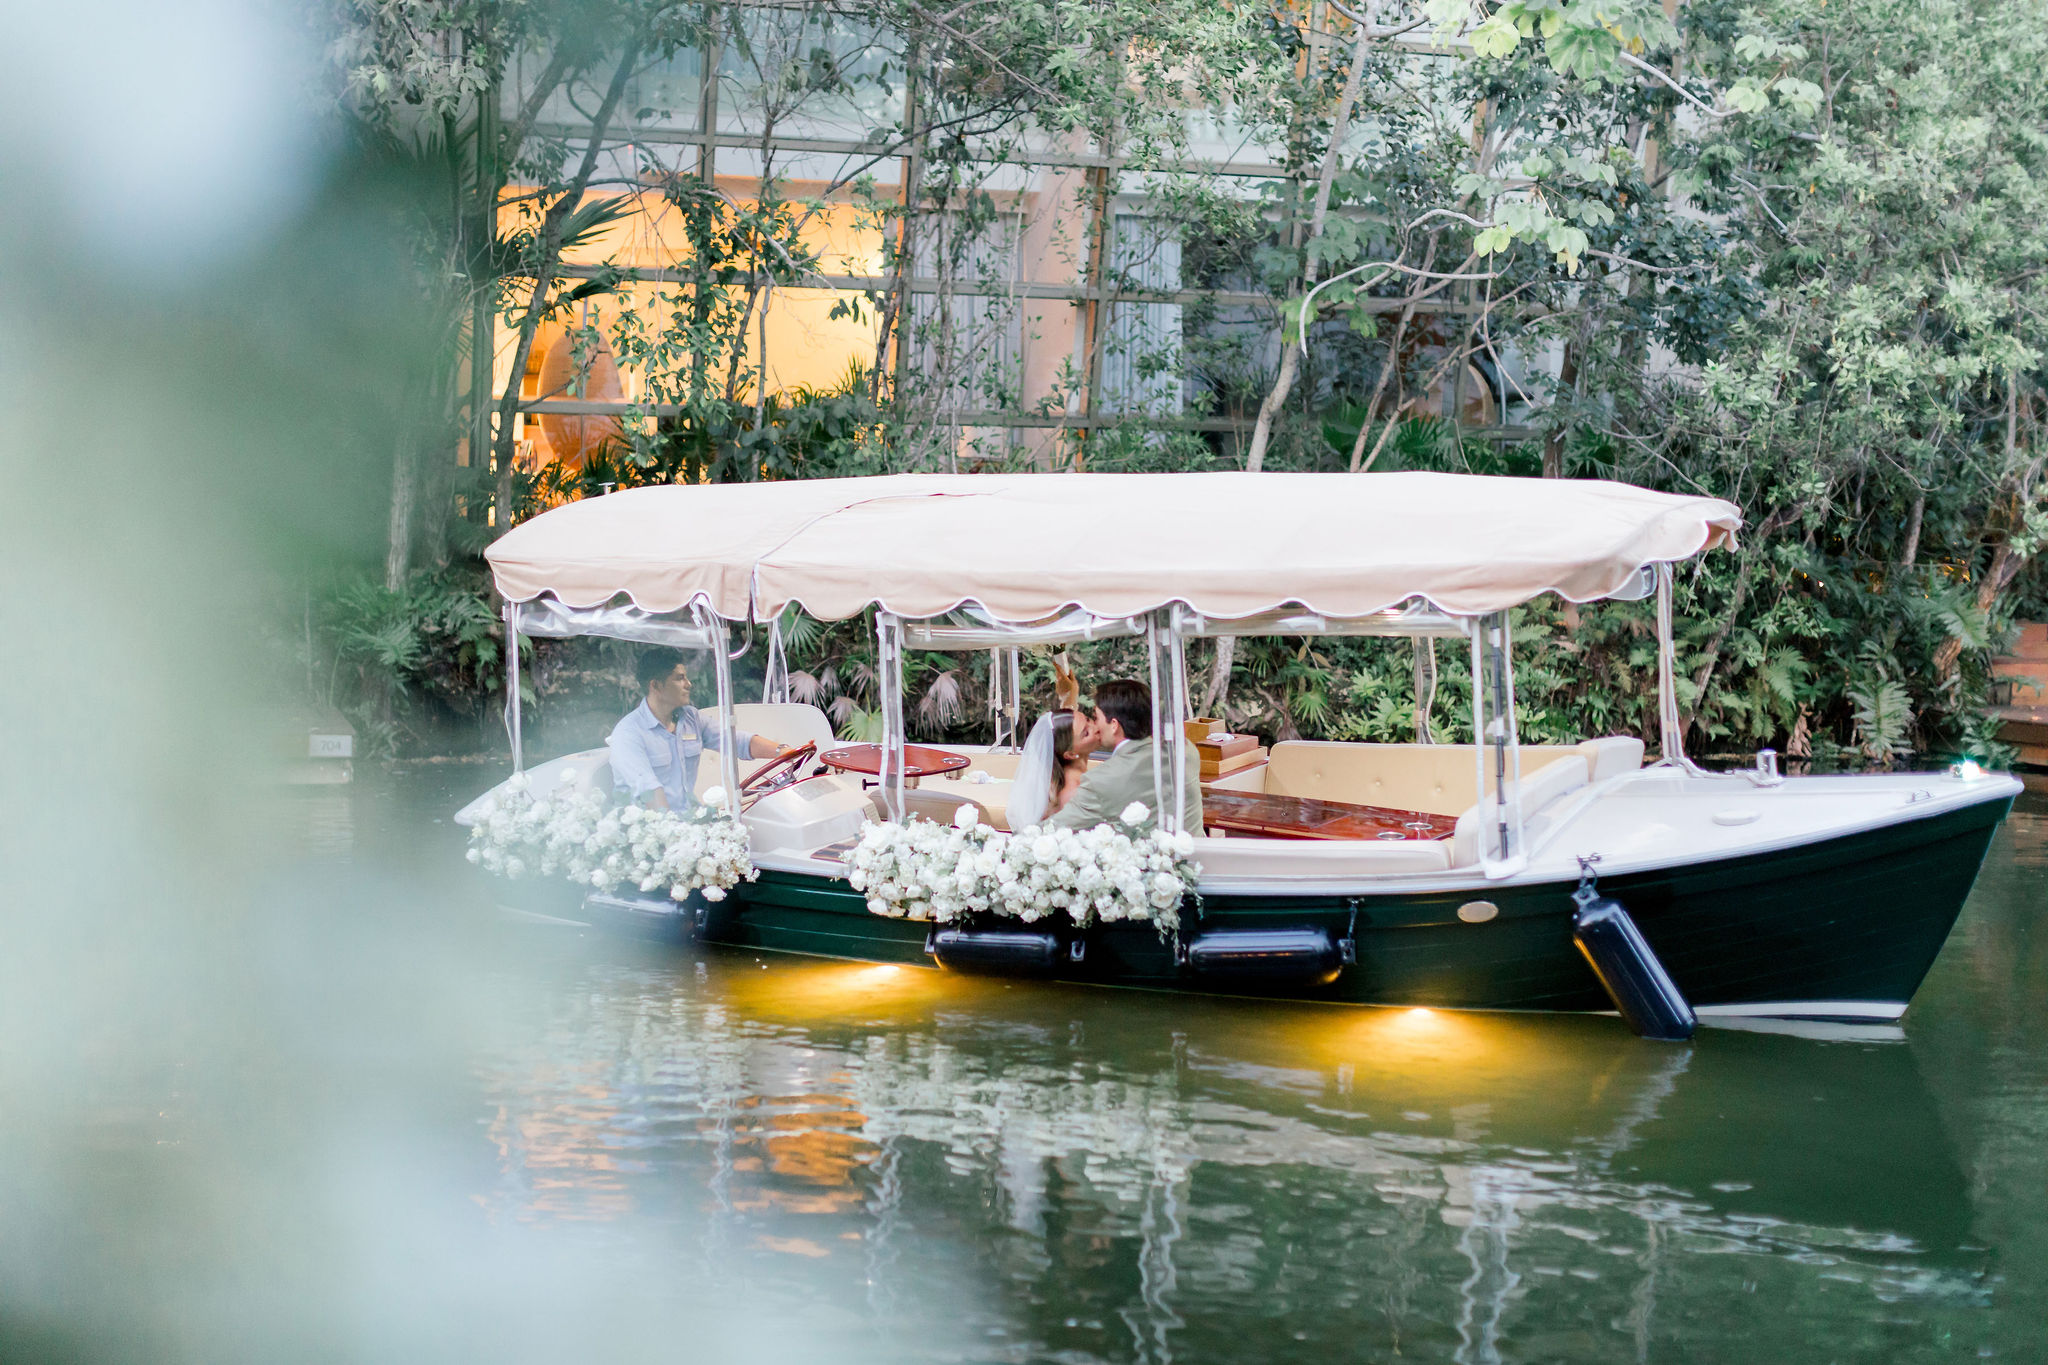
{"points": [[995, 762], [1438, 778], [1539, 787]]}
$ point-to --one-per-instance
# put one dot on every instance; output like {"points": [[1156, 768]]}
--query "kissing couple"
{"points": [[1055, 783]]}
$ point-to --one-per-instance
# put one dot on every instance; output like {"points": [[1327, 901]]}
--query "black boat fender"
{"points": [[1272, 956], [1629, 971], [1003, 952]]}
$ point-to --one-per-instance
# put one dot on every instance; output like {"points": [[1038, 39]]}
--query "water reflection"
{"points": [[1124, 1176], [922, 1167]]}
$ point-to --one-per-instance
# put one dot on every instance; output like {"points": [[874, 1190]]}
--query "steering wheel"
{"points": [[777, 773]]}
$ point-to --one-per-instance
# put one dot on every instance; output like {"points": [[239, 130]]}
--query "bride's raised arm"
{"points": [[1066, 687]]}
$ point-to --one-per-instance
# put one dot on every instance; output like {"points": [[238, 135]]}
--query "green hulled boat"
{"points": [[1487, 876]]}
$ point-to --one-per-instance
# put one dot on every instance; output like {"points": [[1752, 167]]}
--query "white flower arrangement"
{"points": [[925, 871], [573, 834]]}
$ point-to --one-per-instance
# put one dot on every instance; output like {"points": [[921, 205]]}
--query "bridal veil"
{"points": [[1031, 788]]}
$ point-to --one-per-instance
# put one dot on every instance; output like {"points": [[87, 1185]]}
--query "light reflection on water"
{"points": [[1057, 1173]]}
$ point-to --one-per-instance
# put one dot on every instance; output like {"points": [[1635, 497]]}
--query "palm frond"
{"points": [[940, 705], [856, 723], [800, 633], [588, 220]]}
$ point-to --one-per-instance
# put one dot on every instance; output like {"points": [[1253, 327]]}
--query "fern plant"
{"points": [[1884, 719]]}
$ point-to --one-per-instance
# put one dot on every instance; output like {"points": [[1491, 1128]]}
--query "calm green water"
{"points": [[911, 1166]]}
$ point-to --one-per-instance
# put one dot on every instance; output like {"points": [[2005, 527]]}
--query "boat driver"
{"points": [[655, 747]]}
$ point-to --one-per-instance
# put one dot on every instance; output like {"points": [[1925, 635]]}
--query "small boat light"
{"points": [[1969, 770]]}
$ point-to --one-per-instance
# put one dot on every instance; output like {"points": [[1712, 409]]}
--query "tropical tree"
{"points": [[1880, 415], [1782, 252], [1512, 188]]}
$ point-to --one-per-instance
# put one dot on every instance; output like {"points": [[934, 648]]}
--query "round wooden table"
{"points": [[919, 760]]}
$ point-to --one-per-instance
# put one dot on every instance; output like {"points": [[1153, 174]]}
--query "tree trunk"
{"points": [[481, 323], [1372, 404], [1567, 386], [436, 481], [739, 336], [1269, 407], [1217, 691], [1704, 674], [1912, 550], [1391, 372], [896, 313], [404, 496], [1290, 356], [2005, 566], [544, 276]]}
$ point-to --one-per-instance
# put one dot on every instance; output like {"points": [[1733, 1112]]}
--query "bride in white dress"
{"points": [[1050, 768]]}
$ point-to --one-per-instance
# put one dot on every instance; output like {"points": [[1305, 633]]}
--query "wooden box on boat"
{"points": [[1248, 757], [1219, 745]]}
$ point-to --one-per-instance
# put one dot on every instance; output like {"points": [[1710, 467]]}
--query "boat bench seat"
{"points": [[995, 762], [1438, 778], [1539, 787], [943, 796], [940, 806]]}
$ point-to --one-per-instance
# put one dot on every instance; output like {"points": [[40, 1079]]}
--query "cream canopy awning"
{"points": [[1024, 546]]}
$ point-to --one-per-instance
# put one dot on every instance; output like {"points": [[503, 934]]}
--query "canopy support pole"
{"points": [[1159, 803], [1005, 699], [728, 735], [889, 665], [1493, 729], [1176, 722], [775, 673], [513, 726], [996, 731], [1425, 685], [1670, 725], [1016, 699]]}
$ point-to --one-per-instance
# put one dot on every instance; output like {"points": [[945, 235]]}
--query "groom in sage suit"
{"points": [[1123, 721]]}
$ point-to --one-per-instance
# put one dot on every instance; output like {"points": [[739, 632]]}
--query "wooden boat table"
{"points": [[1309, 817], [919, 760]]}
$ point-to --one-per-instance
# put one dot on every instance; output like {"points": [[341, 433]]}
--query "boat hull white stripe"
{"points": [[1808, 1009]]}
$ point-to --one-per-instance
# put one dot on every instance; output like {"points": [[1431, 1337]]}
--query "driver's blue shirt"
{"points": [[646, 754]]}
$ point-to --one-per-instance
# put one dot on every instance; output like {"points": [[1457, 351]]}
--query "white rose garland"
{"points": [[945, 873], [573, 834]]}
